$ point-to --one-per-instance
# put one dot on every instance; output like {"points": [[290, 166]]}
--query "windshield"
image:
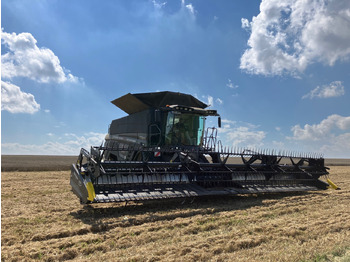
{"points": [[184, 129]]}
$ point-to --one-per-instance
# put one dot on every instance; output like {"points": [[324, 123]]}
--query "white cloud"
{"points": [[245, 23], [288, 35], [86, 140], [210, 100], [278, 145], [338, 146], [219, 101], [14, 100], [190, 8], [227, 121], [231, 85], [331, 136], [321, 131], [158, 5], [71, 146], [241, 135], [334, 89], [25, 59]]}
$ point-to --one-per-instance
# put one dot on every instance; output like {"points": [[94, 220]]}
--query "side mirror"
{"points": [[219, 122]]}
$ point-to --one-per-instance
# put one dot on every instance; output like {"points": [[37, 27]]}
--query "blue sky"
{"points": [[277, 71]]}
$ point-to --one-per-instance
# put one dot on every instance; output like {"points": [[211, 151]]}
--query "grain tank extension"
{"points": [[162, 149]]}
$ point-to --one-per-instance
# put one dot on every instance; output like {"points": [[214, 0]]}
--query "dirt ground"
{"points": [[42, 220]]}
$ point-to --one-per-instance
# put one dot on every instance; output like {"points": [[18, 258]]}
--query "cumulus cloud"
{"points": [[334, 89], [331, 136], [288, 35], [338, 146], [25, 59], [71, 146], [323, 130], [241, 134], [14, 100]]}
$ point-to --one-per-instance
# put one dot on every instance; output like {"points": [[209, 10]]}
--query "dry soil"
{"points": [[42, 220]]}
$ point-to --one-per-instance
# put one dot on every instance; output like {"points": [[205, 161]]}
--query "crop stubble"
{"points": [[43, 220]]}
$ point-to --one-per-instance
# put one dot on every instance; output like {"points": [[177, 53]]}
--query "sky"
{"points": [[277, 71]]}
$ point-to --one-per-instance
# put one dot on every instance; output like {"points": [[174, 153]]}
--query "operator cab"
{"points": [[176, 125], [184, 129]]}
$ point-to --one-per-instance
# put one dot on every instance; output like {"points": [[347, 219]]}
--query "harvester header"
{"points": [[162, 149]]}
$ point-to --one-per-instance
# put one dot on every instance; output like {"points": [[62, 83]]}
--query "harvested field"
{"points": [[43, 221], [36, 163]]}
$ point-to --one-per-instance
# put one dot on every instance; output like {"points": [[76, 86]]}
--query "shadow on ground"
{"points": [[102, 216]]}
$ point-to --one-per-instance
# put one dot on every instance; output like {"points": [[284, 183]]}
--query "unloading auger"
{"points": [[162, 150]]}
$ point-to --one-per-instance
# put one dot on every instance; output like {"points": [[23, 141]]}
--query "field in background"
{"points": [[43, 221], [36, 163]]}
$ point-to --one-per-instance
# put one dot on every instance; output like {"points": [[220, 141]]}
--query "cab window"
{"points": [[184, 129]]}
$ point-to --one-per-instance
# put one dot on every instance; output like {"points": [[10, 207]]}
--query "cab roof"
{"points": [[133, 103]]}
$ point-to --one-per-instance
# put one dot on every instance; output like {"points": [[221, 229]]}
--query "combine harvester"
{"points": [[162, 150]]}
